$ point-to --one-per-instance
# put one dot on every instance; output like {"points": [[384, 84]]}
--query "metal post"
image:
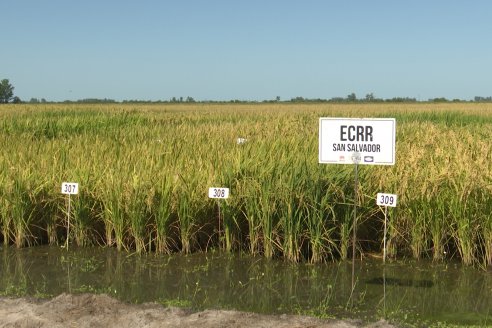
{"points": [[385, 231], [356, 159], [384, 291], [68, 219], [220, 231]]}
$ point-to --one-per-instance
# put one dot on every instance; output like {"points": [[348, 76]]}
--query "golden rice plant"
{"points": [[144, 171]]}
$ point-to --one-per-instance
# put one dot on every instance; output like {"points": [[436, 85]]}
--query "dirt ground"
{"points": [[88, 310]]}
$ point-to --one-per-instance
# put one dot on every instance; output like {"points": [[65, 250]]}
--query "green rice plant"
{"points": [[230, 218], [136, 204], [344, 215], [187, 209], [419, 212], [249, 189], [464, 230], [21, 212], [82, 213], [487, 239], [231, 207], [163, 210], [184, 212], [438, 225], [321, 223], [114, 216], [5, 217], [53, 217], [485, 233], [291, 207], [267, 205]]}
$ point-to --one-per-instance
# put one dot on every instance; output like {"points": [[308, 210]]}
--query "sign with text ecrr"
{"points": [[371, 139]]}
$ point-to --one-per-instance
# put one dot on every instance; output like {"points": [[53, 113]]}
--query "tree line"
{"points": [[7, 96]]}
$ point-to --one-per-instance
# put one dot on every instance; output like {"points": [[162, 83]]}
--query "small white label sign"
{"points": [[70, 188], [218, 192], [386, 199], [372, 139]]}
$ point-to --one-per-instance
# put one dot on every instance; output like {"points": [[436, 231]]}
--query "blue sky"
{"points": [[248, 50]]}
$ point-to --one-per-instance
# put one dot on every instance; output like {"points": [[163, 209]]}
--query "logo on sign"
{"points": [[368, 159]]}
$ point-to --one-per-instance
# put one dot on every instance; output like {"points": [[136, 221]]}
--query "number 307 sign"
{"points": [[70, 188]]}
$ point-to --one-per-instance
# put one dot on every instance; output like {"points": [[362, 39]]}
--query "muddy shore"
{"points": [[89, 310]]}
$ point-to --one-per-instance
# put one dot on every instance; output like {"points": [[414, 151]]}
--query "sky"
{"points": [[247, 50]]}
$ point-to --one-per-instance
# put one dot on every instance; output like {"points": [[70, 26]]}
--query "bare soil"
{"points": [[89, 310]]}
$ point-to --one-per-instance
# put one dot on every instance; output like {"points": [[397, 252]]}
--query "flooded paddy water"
{"points": [[412, 292]]}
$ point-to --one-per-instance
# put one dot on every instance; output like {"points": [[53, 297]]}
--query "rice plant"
{"points": [[163, 209], [144, 171]]}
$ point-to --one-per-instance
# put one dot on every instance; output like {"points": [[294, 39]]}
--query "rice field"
{"points": [[144, 173]]}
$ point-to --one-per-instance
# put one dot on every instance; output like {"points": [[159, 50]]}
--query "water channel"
{"points": [[416, 292]]}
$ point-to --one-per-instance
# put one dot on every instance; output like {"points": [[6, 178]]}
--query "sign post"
{"points": [[385, 200], [359, 141], [218, 193], [69, 188], [356, 160]]}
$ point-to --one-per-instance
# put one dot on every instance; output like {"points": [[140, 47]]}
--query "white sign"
{"points": [[386, 199], [372, 139], [216, 192], [241, 141], [70, 188]]}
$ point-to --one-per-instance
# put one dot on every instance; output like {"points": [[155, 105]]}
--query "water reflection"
{"points": [[414, 291], [400, 282]]}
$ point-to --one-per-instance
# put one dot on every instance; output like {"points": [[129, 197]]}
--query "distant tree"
{"points": [[482, 99], [190, 100], [6, 91], [401, 100], [277, 99], [370, 97], [297, 99], [34, 100], [16, 100], [352, 97], [441, 99], [337, 99]]}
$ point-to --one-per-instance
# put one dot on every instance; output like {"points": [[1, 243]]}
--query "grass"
{"points": [[144, 172]]}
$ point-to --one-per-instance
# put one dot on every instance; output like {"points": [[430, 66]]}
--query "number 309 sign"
{"points": [[386, 200]]}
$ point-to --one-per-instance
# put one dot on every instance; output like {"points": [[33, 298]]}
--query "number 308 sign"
{"points": [[386, 200], [218, 192]]}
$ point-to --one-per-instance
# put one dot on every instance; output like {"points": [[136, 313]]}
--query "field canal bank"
{"points": [[419, 293]]}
